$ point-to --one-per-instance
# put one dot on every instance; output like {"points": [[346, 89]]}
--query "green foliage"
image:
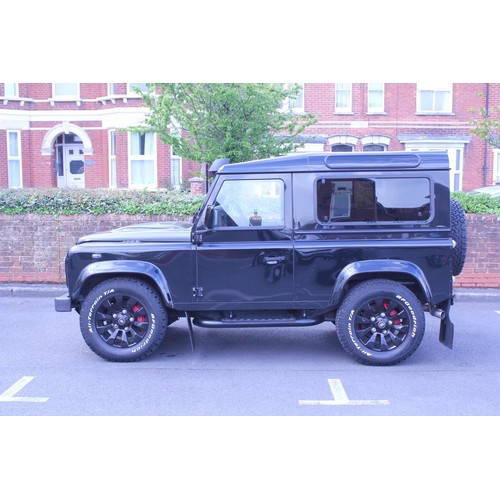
{"points": [[239, 121], [478, 203], [163, 202], [98, 201], [487, 125]]}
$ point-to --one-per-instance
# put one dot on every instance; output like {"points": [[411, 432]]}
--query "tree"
{"points": [[487, 126], [239, 121]]}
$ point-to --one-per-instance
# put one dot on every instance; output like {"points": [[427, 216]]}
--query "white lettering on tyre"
{"points": [[412, 312], [353, 337], [91, 312], [145, 342]]}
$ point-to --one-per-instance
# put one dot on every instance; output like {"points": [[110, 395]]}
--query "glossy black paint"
{"points": [[318, 162], [304, 267], [139, 250]]}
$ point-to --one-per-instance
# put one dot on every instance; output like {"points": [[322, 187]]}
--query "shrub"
{"points": [[98, 201], [478, 203], [162, 202]]}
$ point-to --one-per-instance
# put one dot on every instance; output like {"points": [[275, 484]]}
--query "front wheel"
{"points": [[123, 319], [380, 322]]}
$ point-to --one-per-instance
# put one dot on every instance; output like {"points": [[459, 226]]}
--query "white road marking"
{"points": [[340, 397], [8, 396]]}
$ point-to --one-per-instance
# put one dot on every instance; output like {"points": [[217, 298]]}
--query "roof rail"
{"points": [[372, 160]]}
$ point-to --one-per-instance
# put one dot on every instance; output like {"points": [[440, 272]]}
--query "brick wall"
{"points": [[33, 247], [482, 266]]}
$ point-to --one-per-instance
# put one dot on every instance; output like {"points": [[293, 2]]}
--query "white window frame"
{"points": [[294, 105], [111, 89], [15, 91], [173, 158], [113, 183], [346, 88], [435, 87], [131, 91], [496, 166], [65, 97], [456, 159], [17, 158], [373, 89], [150, 157]]}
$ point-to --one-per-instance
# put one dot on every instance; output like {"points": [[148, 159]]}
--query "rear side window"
{"points": [[373, 200]]}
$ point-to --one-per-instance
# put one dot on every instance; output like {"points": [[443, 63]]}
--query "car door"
{"points": [[244, 245]]}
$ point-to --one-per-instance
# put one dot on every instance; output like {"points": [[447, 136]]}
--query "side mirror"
{"points": [[209, 217]]}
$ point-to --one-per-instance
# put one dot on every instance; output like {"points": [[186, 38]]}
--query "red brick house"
{"points": [[72, 135]]}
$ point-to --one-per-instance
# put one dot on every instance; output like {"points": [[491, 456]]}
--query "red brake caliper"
{"points": [[136, 308], [392, 313]]}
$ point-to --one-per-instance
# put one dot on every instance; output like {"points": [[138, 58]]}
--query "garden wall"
{"points": [[33, 247], [482, 265]]}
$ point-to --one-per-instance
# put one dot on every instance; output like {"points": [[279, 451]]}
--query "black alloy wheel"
{"points": [[123, 319], [380, 322]]}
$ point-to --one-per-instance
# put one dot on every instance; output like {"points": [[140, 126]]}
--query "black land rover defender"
{"points": [[368, 241]]}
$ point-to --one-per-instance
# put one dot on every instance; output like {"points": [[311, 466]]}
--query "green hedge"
{"points": [[163, 202], [98, 201], [478, 203]]}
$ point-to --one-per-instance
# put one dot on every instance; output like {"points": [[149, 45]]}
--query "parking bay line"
{"points": [[8, 396], [340, 397]]}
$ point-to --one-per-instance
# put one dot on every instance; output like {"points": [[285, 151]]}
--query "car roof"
{"points": [[386, 160]]}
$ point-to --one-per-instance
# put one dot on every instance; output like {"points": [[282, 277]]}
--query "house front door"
{"points": [[74, 171]]}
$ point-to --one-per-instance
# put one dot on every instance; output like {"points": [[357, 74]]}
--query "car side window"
{"points": [[250, 203], [373, 200]]}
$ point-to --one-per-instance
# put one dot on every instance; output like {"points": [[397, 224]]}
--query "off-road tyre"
{"points": [[123, 319], [459, 236], [380, 322]]}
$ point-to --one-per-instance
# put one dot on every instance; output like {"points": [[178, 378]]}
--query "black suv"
{"points": [[368, 241]]}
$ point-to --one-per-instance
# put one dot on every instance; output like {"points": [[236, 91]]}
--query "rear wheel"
{"points": [[380, 322], [123, 319]]}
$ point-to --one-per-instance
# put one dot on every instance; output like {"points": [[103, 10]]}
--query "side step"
{"points": [[252, 320]]}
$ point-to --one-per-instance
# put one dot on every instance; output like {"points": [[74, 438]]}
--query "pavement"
{"points": [[55, 290], [32, 290]]}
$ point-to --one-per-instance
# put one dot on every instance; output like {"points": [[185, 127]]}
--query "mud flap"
{"points": [[447, 328]]}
